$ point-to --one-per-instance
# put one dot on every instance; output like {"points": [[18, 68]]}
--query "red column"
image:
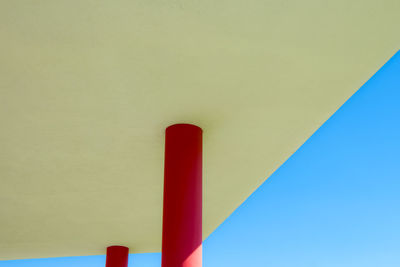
{"points": [[182, 218], [117, 256]]}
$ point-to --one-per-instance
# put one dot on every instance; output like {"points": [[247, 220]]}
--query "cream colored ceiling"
{"points": [[87, 88]]}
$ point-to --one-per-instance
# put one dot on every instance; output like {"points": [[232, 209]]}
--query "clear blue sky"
{"points": [[335, 202]]}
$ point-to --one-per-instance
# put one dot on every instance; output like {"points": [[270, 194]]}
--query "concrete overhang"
{"points": [[88, 87]]}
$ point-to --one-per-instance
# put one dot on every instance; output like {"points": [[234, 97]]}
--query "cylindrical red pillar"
{"points": [[182, 218], [117, 256]]}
